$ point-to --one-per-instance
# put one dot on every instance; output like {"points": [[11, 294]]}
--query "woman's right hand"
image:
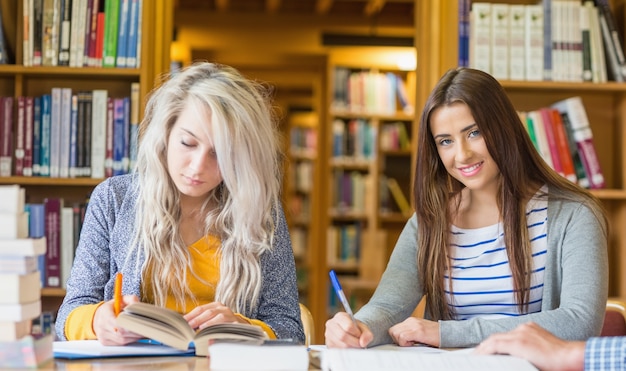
{"points": [[105, 326], [341, 332]]}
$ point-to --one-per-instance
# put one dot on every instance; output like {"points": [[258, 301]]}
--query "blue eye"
{"points": [[445, 142], [474, 133]]}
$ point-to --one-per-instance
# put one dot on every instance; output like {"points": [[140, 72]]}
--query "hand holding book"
{"points": [[171, 328]]}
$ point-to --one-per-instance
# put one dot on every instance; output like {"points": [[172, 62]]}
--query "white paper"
{"points": [[417, 358]]}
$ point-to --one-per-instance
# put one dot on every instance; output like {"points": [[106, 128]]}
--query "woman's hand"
{"points": [[537, 345], [341, 332], [415, 331], [106, 328], [211, 314]]}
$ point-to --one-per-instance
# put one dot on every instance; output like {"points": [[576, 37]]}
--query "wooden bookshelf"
{"points": [[605, 103], [20, 80], [362, 220]]}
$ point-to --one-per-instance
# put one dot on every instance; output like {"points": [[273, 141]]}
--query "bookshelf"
{"points": [[605, 103], [369, 136], [18, 79], [300, 189]]}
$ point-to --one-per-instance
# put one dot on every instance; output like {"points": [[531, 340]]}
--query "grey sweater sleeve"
{"points": [[278, 306], [399, 290]]}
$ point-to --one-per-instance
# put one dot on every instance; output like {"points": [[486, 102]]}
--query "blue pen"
{"points": [[341, 295]]}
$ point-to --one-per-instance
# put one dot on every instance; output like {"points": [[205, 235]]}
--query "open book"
{"points": [[170, 328]]}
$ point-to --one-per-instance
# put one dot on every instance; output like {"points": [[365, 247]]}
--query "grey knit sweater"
{"points": [[103, 250], [574, 293]]}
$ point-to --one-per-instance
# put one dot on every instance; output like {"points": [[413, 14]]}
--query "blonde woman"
{"points": [[198, 227]]}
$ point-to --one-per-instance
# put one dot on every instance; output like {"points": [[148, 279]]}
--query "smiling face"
{"points": [[462, 148], [191, 158]]}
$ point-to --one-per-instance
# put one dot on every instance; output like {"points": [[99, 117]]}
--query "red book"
{"points": [[91, 52], [546, 115], [99, 39], [52, 215], [560, 135]]}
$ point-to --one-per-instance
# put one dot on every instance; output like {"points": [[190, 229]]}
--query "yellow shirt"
{"points": [[204, 258]]}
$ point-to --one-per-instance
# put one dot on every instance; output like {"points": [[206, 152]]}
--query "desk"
{"points": [[130, 363]]}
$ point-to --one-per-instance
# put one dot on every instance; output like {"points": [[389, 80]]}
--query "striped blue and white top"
{"points": [[481, 276]]}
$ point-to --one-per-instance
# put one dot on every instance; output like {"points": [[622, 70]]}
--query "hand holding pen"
{"points": [[342, 297], [104, 320], [341, 332]]}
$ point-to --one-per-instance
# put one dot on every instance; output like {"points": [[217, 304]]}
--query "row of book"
{"points": [[563, 137], [81, 33], [303, 141], [68, 134], [369, 92], [60, 222], [554, 40], [353, 139], [352, 194], [20, 292], [344, 243], [394, 136]]}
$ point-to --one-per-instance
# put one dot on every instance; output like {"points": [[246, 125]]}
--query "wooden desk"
{"points": [[130, 363]]}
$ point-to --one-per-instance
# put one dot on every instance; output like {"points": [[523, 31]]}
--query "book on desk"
{"points": [[170, 328]]}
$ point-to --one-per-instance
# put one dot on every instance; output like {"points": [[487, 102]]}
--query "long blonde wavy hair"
{"points": [[247, 147]]}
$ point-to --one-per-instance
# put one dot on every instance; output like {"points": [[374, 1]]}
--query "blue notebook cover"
{"points": [[83, 349]]}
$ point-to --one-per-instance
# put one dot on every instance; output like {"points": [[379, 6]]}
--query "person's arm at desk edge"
{"points": [[548, 352]]}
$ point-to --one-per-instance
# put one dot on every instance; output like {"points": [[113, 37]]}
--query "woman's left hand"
{"points": [[211, 314], [415, 331]]}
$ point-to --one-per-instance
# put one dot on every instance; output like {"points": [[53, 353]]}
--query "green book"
{"points": [[111, 22]]}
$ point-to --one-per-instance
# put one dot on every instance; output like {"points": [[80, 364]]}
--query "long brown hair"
{"points": [[521, 170]]}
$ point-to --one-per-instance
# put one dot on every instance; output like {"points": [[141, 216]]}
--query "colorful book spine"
{"points": [[28, 136], [111, 25], [133, 33], [108, 160], [66, 127], [134, 123], [37, 136], [65, 18], [55, 133], [6, 139], [612, 37], [548, 129], [98, 132], [583, 136], [19, 136], [562, 145], [50, 36], [118, 136], [46, 119], [73, 160], [122, 33], [53, 207]]}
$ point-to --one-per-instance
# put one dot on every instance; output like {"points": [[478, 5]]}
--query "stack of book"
{"points": [[20, 292]]}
